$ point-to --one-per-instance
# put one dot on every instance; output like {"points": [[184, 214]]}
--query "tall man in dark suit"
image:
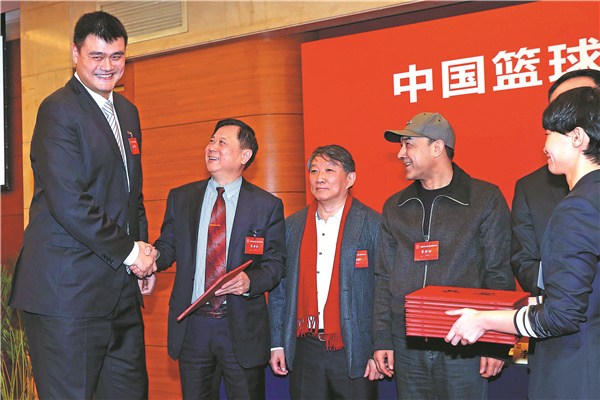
{"points": [[321, 311], [536, 196], [74, 275], [232, 336]]}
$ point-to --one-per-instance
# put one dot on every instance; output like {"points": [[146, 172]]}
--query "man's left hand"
{"points": [[147, 284], [490, 367], [238, 285]]}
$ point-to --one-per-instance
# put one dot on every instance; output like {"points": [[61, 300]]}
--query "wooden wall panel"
{"points": [[279, 164], [242, 78], [126, 85], [156, 309], [292, 202], [155, 211], [174, 155], [163, 374]]}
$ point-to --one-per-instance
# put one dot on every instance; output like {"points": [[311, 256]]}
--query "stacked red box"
{"points": [[426, 309]]}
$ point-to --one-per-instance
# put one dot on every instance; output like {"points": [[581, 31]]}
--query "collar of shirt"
{"points": [[231, 195], [97, 98], [337, 216], [232, 189]]}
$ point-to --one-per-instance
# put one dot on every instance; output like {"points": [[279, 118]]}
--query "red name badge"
{"points": [[362, 259], [255, 245], [425, 251], [133, 144]]}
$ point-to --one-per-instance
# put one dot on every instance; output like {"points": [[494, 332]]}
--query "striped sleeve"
{"points": [[522, 322]]}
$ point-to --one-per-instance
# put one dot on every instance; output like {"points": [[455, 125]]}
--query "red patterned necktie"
{"points": [[216, 247]]}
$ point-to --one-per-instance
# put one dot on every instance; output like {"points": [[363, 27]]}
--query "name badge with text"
{"points": [[425, 251], [362, 259], [133, 144], [255, 245]]}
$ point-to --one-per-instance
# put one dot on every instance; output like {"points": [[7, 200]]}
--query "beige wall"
{"points": [[46, 31]]}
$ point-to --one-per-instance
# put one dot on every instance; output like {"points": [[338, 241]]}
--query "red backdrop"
{"points": [[488, 73]]}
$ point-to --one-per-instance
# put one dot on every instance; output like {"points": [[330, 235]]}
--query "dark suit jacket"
{"points": [[536, 196], [257, 211], [357, 288], [77, 238], [567, 362]]}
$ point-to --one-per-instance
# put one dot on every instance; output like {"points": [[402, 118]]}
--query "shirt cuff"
{"points": [[276, 348], [133, 255]]}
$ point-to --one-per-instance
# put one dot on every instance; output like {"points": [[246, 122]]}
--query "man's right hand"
{"points": [[277, 362], [384, 359], [145, 264]]}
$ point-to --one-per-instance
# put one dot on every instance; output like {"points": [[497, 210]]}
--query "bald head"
{"points": [[582, 81], [574, 79]]}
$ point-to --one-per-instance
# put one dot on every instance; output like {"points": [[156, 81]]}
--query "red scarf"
{"points": [[308, 309]]}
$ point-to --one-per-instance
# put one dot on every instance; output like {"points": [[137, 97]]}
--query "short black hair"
{"points": [[246, 136], [335, 153], [579, 107], [594, 74], [99, 23]]}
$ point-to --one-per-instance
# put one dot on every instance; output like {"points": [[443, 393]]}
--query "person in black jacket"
{"points": [[445, 229]]}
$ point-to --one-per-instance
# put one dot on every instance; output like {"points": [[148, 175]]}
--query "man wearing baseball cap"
{"points": [[445, 229]]}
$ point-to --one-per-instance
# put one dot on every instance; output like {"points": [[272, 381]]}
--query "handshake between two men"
{"points": [[144, 267]]}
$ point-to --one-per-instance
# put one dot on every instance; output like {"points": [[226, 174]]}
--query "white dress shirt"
{"points": [[327, 235], [133, 255]]}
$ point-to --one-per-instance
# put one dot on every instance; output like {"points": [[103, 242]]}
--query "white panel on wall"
{"points": [[146, 20]]}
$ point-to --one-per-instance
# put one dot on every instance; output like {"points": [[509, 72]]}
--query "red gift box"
{"points": [[426, 309]]}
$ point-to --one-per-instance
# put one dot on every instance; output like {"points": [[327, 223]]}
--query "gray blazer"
{"points": [[356, 288]]}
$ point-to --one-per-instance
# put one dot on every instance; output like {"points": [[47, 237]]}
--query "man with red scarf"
{"points": [[321, 311]]}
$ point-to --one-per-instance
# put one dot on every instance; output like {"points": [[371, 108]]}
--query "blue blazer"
{"points": [[82, 221], [567, 361], [257, 212], [357, 286]]}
